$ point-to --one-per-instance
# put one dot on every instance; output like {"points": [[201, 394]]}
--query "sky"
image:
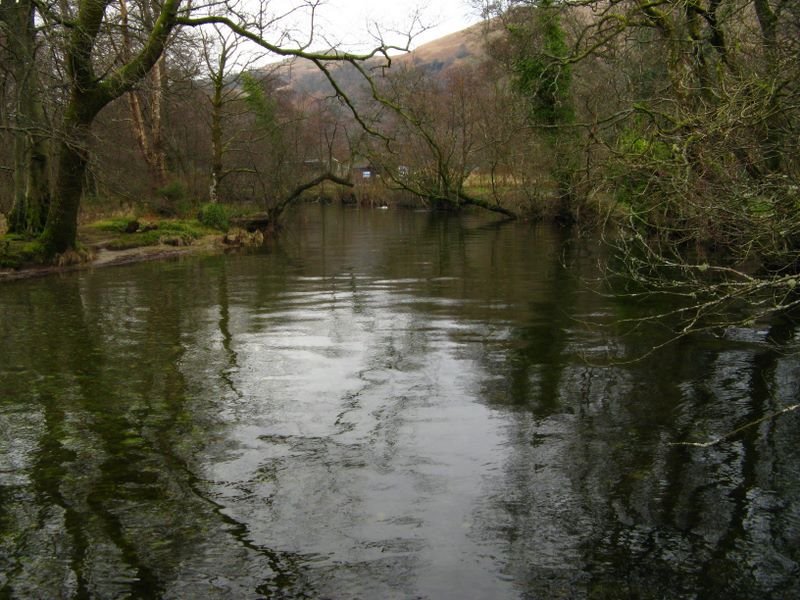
{"points": [[348, 22]]}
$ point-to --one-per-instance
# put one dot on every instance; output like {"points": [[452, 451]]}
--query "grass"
{"points": [[173, 232], [135, 240], [112, 225], [17, 252]]}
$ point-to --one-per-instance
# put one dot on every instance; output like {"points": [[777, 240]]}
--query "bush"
{"points": [[174, 191], [173, 200], [214, 216]]}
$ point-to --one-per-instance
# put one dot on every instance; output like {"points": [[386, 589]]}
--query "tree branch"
{"points": [[298, 191]]}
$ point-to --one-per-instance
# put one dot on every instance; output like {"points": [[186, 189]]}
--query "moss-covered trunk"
{"points": [[31, 182], [60, 233]]}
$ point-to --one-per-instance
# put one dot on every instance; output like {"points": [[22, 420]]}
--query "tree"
{"points": [[226, 69], [534, 50], [282, 159], [707, 166], [88, 94], [686, 114], [146, 102], [507, 152], [31, 178], [431, 141]]}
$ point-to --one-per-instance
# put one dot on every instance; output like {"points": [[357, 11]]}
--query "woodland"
{"points": [[669, 128]]}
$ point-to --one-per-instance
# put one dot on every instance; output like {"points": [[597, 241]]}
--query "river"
{"points": [[387, 404]]}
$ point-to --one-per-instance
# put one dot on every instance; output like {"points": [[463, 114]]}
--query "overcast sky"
{"points": [[348, 22]]}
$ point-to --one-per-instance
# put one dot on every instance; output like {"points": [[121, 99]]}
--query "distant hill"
{"points": [[461, 48]]}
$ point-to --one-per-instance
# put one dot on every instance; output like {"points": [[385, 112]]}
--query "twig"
{"points": [[738, 430]]}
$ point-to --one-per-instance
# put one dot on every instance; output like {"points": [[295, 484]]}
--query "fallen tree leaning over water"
{"points": [[270, 219]]}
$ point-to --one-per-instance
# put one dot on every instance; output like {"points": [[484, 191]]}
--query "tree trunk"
{"points": [[148, 132], [18, 217], [216, 143], [151, 143], [37, 190], [31, 183], [62, 221], [772, 142]]}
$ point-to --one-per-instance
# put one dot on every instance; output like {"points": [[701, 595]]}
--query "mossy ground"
{"points": [[111, 234], [18, 252]]}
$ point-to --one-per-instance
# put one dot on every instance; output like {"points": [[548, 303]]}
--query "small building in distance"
{"points": [[364, 173]]}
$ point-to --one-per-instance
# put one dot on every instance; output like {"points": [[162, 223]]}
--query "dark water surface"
{"points": [[385, 405]]}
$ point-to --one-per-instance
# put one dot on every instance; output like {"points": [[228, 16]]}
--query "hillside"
{"points": [[457, 49]]}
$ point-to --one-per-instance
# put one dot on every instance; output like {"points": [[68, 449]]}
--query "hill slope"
{"points": [[461, 48]]}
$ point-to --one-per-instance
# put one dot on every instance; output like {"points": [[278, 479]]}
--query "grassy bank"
{"points": [[116, 235]]}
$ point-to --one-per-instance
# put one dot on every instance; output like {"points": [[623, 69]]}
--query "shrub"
{"points": [[174, 191], [214, 216]]}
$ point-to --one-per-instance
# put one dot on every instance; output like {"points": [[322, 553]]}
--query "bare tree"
{"points": [[146, 103], [96, 76], [225, 67], [432, 141]]}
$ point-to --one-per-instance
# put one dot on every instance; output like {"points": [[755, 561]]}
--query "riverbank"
{"points": [[114, 242], [110, 258]]}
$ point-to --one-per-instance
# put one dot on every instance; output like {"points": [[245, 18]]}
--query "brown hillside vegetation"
{"points": [[460, 49]]}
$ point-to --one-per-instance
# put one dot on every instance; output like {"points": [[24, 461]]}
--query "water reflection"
{"points": [[384, 405]]}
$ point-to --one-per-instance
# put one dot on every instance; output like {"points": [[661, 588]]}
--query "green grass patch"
{"points": [[760, 207], [170, 232], [14, 237], [192, 229], [115, 225], [135, 240], [16, 252]]}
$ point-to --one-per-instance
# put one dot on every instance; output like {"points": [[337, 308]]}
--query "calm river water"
{"points": [[386, 404]]}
